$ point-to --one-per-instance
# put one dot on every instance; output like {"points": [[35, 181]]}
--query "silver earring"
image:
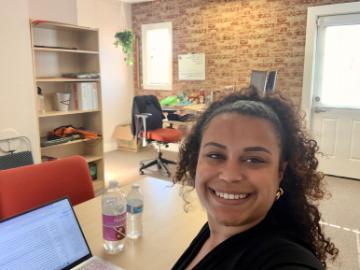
{"points": [[279, 193]]}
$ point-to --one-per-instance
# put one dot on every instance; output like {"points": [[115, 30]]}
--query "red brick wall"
{"points": [[236, 37]]}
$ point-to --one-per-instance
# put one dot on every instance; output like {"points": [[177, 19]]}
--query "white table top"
{"points": [[168, 229]]}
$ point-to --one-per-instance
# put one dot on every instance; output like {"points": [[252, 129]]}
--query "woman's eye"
{"points": [[254, 160], [215, 156]]}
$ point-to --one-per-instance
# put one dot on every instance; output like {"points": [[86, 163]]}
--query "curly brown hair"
{"points": [[297, 210]]}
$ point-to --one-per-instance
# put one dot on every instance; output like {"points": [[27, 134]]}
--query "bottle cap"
{"points": [[135, 186], [113, 184]]}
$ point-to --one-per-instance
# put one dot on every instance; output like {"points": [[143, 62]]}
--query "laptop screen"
{"points": [[48, 237]]}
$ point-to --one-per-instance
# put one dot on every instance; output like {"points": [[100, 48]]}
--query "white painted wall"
{"points": [[17, 99], [110, 16], [53, 10]]}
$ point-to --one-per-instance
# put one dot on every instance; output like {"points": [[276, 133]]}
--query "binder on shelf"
{"points": [[84, 96], [71, 88], [87, 96]]}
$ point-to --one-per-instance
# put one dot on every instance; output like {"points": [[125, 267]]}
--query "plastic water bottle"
{"points": [[114, 218], [135, 205]]}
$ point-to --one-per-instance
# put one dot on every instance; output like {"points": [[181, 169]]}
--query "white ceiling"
{"points": [[135, 1]]}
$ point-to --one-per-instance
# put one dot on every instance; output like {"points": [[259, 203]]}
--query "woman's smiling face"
{"points": [[238, 171]]}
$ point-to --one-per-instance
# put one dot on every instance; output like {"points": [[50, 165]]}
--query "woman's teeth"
{"points": [[231, 196]]}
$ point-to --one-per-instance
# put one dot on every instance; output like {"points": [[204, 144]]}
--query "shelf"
{"points": [[90, 158], [63, 79], [59, 26], [49, 49], [59, 113], [68, 143]]}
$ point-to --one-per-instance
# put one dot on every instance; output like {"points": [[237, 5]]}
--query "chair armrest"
{"points": [[142, 117]]}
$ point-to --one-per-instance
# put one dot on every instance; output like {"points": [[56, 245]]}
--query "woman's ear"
{"points": [[282, 168]]}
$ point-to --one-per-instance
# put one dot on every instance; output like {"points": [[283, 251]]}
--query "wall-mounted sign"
{"points": [[191, 67]]}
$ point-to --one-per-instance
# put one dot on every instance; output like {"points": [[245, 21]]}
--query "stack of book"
{"points": [[84, 96]]}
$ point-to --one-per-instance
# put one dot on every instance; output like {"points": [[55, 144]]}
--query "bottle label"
{"points": [[114, 227], [134, 206], [134, 209]]}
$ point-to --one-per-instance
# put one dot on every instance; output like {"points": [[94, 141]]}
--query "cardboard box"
{"points": [[125, 139]]}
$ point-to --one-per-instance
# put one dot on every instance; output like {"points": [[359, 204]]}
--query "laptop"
{"points": [[47, 237]]}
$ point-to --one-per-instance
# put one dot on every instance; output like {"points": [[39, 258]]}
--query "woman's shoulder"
{"points": [[277, 252]]}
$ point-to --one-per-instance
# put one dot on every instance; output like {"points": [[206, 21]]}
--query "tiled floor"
{"points": [[341, 217], [341, 214]]}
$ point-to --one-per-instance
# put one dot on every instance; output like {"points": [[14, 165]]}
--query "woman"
{"points": [[254, 170]]}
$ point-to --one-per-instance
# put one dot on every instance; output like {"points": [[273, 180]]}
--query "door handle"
{"points": [[319, 110]]}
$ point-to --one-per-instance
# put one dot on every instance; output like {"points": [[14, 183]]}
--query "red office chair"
{"points": [[147, 119], [29, 186]]}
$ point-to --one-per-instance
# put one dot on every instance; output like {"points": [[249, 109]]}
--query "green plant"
{"points": [[126, 39]]}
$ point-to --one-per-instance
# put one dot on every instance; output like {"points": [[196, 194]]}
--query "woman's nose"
{"points": [[231, 171]]}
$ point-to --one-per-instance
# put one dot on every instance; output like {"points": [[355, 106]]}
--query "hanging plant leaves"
{"points": [[125, 39]]}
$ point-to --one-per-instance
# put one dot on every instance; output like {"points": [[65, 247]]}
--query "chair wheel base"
{"points": [[160, 163]]}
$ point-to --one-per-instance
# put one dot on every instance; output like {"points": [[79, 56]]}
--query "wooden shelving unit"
{"points": [[57, 113], [58, 50]]}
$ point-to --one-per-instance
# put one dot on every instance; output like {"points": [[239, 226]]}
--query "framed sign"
{"points": [[191, 67]]}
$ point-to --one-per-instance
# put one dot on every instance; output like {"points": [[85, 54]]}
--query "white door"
{"points": [[335, 119]]}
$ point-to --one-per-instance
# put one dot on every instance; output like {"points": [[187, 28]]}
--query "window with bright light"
{"points": [[157, 56], [339, 61]]}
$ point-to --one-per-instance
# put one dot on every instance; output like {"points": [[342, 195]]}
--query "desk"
{"points": [[198, 108], [184, 126], [172, 123], [192, 108], [168, 230]]}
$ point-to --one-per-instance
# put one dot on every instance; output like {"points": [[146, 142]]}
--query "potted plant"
{"points": [[126, 39]]}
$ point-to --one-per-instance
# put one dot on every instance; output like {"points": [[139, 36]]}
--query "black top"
{"points": [[259, 248]]}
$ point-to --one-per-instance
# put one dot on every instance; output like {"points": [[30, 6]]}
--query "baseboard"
{"points": [[110, 146]]}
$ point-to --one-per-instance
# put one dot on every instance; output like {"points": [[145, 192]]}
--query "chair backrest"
{"points": [[146, 104], [263, 81], [29, 186]]}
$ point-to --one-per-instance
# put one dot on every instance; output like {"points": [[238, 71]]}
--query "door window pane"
{"points": [[339, 75]]}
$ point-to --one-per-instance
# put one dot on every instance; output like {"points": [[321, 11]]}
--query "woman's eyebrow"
{"points": [[215, 144], [257, 148], [246, 149]]}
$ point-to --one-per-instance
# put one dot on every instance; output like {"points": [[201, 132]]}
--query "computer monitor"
{"points": [[271, 81], [263, 81]]}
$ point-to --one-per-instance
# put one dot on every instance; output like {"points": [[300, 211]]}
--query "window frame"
{"points": [[145, 81]]}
